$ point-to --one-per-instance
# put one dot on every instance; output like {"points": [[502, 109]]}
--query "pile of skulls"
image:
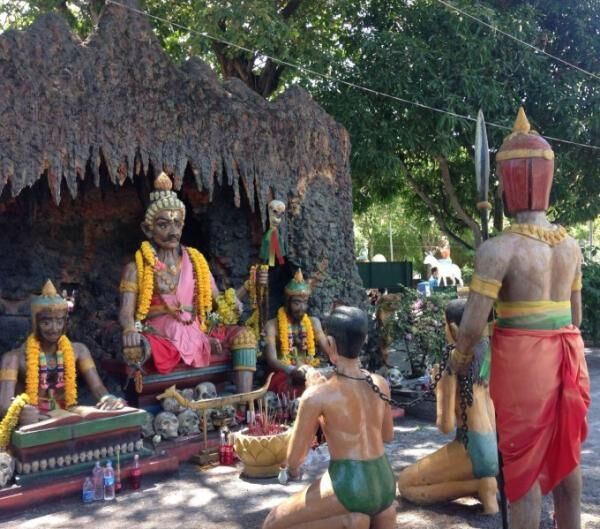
{"points": [[176, 420]]}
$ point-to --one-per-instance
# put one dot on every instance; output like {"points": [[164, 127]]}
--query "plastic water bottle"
{"points": [[109, 482], [87, 494], [136, 473], [98, 481]]}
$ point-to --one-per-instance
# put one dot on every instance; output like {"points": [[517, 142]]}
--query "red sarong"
{"points": [[281, 383], [540, 388]]}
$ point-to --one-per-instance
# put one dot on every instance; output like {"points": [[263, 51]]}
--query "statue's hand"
{"points": [[459, 368], [29, 415], [215, 347], [110, 402], [132, 339]]}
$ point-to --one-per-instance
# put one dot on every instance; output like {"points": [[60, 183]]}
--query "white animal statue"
{"points": [[450, 273]]}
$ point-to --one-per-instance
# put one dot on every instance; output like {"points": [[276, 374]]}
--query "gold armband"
{"points": [[8, 375], [85, 364], [576, 286], [461, 358], [128, 286], [486, 287]]}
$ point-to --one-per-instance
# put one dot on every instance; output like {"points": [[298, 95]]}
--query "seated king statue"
{"points": [[45, 367], [168, 292], [293, 339]]}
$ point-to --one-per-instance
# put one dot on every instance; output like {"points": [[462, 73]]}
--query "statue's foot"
{"points": [[487, 490]]}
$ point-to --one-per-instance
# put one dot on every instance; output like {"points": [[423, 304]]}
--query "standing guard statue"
{"points": [[539, 380]]}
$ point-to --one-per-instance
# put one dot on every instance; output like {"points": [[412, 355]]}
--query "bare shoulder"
{"points": [[316, 323], [11, 358], [271, 327], [81, 350], [129, 271], [381, 382], [572, 246], [494, 256]]}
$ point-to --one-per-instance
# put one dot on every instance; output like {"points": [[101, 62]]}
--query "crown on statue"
{"points": [[297, 286], [49, 300], [163, 197]]}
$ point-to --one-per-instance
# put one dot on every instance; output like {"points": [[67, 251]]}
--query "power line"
{"points": [[517, 39], [334, 79]]}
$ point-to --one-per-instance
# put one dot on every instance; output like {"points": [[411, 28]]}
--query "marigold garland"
{"points": [[227, 307], [146, 260], [202, 281], [11, 419], [32, 377], [285, 337]]}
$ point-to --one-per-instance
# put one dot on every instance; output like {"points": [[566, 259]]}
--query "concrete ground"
{"points": [[218, 499]]}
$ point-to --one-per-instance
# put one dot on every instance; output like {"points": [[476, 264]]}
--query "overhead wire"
{"points": [[334, 79], [517, 39]]}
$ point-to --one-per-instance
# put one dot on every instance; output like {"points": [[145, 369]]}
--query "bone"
{"points": [[35, 466], [51, 462]]}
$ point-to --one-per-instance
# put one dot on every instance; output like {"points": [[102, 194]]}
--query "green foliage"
{"points": [[410, 236], [417, 324], [590, 295], [421, 51], [418, 51]]}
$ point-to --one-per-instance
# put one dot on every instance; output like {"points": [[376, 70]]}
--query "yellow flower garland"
{"points": [[227, 307], [145, 262], [32, 377], [284, 339], [11, 419], [202, 279]]}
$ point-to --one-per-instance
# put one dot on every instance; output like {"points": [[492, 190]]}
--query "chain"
{"points": [[465, 385]]}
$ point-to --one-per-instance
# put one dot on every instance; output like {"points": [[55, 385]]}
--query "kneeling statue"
{"points": [[359, 487], [455, 471]]}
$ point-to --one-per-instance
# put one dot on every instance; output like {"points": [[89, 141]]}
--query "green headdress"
{"points": [[297, 287], [49, 300]]}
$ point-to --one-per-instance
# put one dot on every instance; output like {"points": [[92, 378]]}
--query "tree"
{"points": [[418, 51]]}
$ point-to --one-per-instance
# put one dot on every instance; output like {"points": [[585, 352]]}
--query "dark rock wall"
{"points": [[85, 126]]}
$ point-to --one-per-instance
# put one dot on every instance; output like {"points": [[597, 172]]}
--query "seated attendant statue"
{"points": [[292, 339], [168, 292], [46, 366], [359, 487], [454, 471]]}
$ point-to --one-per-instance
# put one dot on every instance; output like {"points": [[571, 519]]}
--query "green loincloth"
{"points": [[483, 453], [368, 487]]}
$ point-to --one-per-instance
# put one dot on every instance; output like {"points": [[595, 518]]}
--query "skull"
{"points": [[394, 377], [165, 424], [209, 424], [188, 394], [170, 404], [148, 426], [188, 422], [206, 390], [7, 468], [276, 212]]}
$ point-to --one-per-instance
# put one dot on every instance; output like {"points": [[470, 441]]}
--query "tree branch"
{"points": [[429, 203], [290, 8], [451, 192]]}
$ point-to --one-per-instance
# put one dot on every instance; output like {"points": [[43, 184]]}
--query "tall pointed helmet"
{"points": [[525, 163], [48, 301], [297, 287]]}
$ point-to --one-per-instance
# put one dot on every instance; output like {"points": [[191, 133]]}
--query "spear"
{"points": [[482, 173], [482, 179]]}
